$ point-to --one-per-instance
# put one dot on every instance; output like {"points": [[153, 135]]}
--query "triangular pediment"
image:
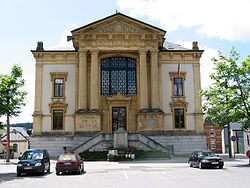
{"points": [[118, 23]]}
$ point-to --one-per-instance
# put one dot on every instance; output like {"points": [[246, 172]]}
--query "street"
{"points": [[174, 173]]}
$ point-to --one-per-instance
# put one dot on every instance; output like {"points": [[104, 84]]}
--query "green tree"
{"points": [[11, 97], [227, 99]]}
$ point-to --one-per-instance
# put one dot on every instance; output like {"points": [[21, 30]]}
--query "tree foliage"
{"points": [[11, 95], [227, 99]]}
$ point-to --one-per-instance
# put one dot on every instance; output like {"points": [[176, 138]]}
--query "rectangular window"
{"points": [[178, 87], [212, 133], [58, 87], [57, 119], [213, 145], [179, 118]]}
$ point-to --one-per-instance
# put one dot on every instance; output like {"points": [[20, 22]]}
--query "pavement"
{"points": [[174, 159]]}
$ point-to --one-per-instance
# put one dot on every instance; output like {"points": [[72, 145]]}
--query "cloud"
{"points": [[205, 61], [64, 44], [224, 19]]}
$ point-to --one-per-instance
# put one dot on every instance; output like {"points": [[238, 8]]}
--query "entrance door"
{"points": [[118, 118]]}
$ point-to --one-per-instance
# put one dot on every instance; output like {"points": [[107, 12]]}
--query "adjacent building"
{"points": [[122, 84]]}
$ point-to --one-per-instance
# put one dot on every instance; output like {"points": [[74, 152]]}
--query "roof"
{"points": [[115, 15], [17, 134], [171, 47]]}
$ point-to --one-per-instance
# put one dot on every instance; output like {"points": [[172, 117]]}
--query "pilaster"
{"points": [[197, 88], [143, 80], [155, 99], [82, 97], [94, 80]]}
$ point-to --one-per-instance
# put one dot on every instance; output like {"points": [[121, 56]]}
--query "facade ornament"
{"points": [[39, 46], [195, 45]]}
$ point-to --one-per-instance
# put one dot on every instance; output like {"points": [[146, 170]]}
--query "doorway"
{"points": [[119, 118]]}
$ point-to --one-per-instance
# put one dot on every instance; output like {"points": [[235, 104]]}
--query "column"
{"points": [[155, 98], [143, 80], [37, 127], [197, 87], [94, 81], [82, 97]]}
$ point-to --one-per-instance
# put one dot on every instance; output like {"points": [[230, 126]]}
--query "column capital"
{"points": [[94, 51], [143, 51], [82, 51], [154, 50]]}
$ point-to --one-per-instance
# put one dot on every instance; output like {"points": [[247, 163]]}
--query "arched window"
{"points": [[118, 75]]}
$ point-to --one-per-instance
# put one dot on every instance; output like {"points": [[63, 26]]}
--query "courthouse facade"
{"points": [[122, 76]]}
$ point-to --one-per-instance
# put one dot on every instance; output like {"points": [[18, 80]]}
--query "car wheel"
{"points": [[48, 171], [201, 165], [190, 164], [18, 174], [220, 166]]}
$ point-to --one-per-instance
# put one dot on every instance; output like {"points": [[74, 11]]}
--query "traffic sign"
{"points": [[233, 138], [4, 142]]}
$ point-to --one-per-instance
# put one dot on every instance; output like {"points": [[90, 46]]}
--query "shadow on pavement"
{"points": [[4, 177], [242, 166]]}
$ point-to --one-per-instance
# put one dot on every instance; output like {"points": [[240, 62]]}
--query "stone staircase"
{"points": [[105, 141]]}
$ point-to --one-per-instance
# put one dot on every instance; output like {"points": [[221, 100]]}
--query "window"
{"points": [[178, 84], [212, 133], [58, 80], [178, 87], [213, 145], [118, 75], [58, 87], [179, 118], [57, 119]]}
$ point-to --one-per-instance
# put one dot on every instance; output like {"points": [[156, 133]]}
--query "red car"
{"points": [[69, 163]]}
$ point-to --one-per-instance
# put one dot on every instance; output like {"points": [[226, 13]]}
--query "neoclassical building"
{"points": [[123, 84]]}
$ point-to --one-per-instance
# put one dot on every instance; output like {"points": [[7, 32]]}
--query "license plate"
{"points": [[67, 163], [215, 162], [27, 168]]}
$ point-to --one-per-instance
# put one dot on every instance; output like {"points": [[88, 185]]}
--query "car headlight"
{"points": [[19, 165], [38, 164]]}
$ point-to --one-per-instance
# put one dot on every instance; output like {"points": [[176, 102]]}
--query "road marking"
{"points": [[125, 174], [83, 176]]}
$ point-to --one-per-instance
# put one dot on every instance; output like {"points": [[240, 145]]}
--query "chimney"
{"points": [[195, 45]]}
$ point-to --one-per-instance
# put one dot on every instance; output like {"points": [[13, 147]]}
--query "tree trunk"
{"points": [[229, 140], [8, 138]]}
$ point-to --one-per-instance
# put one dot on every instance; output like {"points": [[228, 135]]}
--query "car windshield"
{"points": [[67, 158], [207, 154], [32, 155]]}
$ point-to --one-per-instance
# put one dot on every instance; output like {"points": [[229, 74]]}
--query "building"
{"points": [[241, 145], [122, 76], [19, 141], [214, 139]]}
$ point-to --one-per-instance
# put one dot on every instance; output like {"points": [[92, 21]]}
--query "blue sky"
{"points": [[216, 25]]}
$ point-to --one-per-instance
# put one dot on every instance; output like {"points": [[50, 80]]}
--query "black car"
{"points": [[34, 161], [203, 159]]}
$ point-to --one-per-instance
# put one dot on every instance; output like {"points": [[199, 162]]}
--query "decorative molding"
{"points": [[119, 27], [179, 104], [58, 104]]}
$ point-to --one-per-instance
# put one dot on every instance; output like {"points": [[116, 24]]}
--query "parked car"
{"points": [[203, 159], [34, 161], [69, 163]]}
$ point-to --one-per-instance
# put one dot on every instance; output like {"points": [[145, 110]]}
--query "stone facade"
{"points": [[85, 110]]}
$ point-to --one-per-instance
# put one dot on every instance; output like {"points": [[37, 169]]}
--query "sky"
{"points": [[215, 24]]}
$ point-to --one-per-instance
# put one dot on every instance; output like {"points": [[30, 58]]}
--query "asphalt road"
{"points": [[140, 174]]}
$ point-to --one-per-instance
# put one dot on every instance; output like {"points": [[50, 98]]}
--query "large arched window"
{"points": [[118, 75]]}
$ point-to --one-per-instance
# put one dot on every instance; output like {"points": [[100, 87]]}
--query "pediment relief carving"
{"points": [[119, 27], [179, 103]]}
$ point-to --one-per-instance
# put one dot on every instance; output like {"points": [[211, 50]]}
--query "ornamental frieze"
{"points": [[119, 27]]}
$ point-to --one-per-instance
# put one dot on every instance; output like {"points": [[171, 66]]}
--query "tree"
{"points": [[11, 97], [227, 99]]}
